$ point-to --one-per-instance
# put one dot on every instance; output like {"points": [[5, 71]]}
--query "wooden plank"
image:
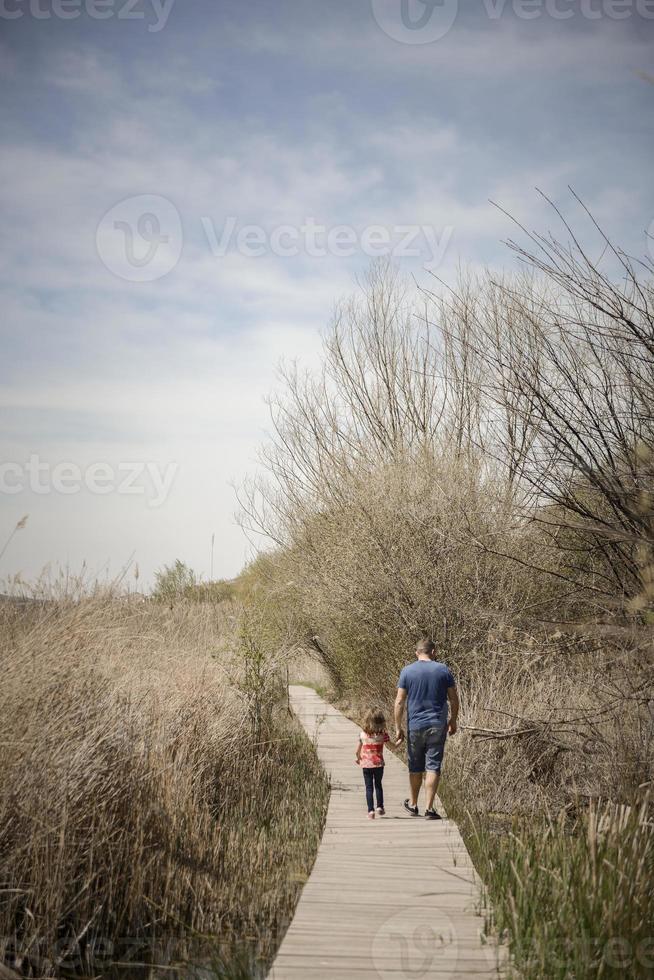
{"points": [[387, 899]]}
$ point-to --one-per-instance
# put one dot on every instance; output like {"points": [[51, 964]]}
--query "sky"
{"points": [[187, 187]]}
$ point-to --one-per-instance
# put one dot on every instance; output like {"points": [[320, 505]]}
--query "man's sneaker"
{"points": [[432, 815], [381, 812], [371, 814], [413, 810]]}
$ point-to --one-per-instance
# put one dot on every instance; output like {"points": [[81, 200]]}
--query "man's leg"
{"points": [[416, 782], [433, 760], [416, 753], [431, 785]]}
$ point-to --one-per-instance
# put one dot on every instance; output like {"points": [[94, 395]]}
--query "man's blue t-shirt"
{"points": [[426, 683]]}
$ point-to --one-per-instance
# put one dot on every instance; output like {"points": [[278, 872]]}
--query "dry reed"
{"points": [[139, 817]]}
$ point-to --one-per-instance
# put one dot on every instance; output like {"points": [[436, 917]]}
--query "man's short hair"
{"points": [[426, 646]]}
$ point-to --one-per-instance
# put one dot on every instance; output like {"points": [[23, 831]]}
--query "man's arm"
{"points": [[453, 698], [400, 700]]}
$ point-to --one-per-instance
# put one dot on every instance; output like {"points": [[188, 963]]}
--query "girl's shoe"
{"points": [[371, 815], [381, 812]]}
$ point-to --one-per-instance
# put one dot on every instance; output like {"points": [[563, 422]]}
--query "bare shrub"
{"points": [[565, 359]]}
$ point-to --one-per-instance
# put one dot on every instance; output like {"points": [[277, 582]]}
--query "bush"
{"points": [[174, 582]]}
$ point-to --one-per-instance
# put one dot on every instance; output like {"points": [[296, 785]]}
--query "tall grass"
{"points": [[560, 822], [572, 897], [140, 817]]}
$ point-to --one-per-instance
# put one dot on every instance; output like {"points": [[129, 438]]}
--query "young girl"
{"points": [[370, 756]]}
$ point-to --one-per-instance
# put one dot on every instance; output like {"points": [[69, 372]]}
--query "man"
{"points": [[426, 687]]}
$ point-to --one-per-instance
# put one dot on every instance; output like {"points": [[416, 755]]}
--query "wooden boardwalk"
{"points": [[389, 899]]}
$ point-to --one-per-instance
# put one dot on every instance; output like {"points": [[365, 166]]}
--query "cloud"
{"points": [[266, 120], [477, 47]]}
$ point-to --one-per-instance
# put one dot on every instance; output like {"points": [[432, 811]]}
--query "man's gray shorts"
{"points": [[425, 747]]}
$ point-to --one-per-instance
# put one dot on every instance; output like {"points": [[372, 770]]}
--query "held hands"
{"points": [[399, 736]]}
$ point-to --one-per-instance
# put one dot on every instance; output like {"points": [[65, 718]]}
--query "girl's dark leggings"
{"points": [[373, 778]]}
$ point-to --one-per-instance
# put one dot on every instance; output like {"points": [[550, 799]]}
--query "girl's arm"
{"points": [[358, 754]]}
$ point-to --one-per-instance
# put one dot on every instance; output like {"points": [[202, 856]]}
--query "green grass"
{"points": [[571, 897], [322, 690]]}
